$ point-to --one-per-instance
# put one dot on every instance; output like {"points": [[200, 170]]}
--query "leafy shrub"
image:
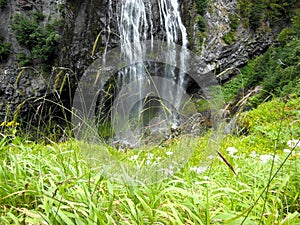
{"points": [[24, 60], [201, 6], [229, 38], [273, 121], [255, 12], [286, 35], [234, 21], [27, 32], [231, 89], [4, 49], [296, 21], [3, 3], [291, 88], [277, 71], [201, 23], [40, 41]]}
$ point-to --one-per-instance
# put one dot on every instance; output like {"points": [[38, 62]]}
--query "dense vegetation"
{"points": [[3, 3], [201, 6], [4, 49], [229, 38], [257, 12], [53, 184], [40, 41], [277, 70], [261, 16]]}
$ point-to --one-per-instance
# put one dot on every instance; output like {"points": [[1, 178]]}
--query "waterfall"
{"points": [[136, 25]]}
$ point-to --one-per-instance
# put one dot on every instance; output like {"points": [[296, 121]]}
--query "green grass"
{"points": [[53, 184]]}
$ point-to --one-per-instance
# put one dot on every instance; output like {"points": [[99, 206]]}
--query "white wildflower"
{"points": [[149, 155], [169, 153], [265, 158], [253, 154], [288, 151], [237, 170], [211, 157], [199, 169], [168, 171], [231, 151], [294, 143], [206, 177], [134, 157]]}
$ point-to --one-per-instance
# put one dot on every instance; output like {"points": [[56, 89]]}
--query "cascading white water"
{"points": [[171, 21], [147, 72], [135, 23]]}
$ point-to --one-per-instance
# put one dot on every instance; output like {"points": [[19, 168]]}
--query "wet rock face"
{"points": [[21, 87], [84, 20], [17, 90], [81, 21], [221, 55]]}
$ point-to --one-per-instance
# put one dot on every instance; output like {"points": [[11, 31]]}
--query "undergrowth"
{"points": [[54, 184], [277, 71]]}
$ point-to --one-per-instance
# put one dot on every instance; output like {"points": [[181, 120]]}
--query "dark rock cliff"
{"points": [[222, 45]]}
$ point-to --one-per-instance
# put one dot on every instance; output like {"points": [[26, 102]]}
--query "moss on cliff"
{"points": [[230, 37], [40, 41]]}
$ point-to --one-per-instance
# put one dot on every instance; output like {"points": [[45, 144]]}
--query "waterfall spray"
{"points": [[136, 95], [136, 25]]}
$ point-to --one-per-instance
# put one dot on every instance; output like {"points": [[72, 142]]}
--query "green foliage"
{"points": [[23, 59], [274, 121], [292, 33], [255, 12], [296, 22], [54, 184], [231, 89], [27, 32], [234, 21], [3, 3], [244, 9], [38, 17], [40, 41], [201, 6], [62, 9], [277, 70], [202, 105], [229, 38], [201, 23], [286, 35], [4, 49]]}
